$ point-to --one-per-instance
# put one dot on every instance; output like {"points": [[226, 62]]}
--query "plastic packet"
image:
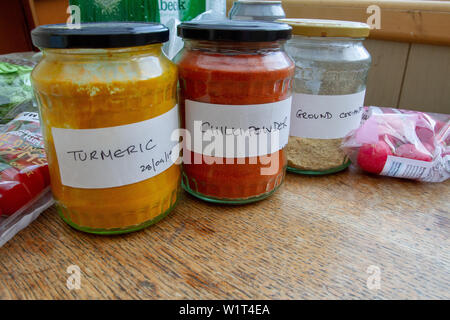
{"points": [[10, 226], [24, 176], [16, 94], [401, 143]]}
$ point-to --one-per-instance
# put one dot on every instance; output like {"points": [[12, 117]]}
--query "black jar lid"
{"points": [[99, 35], [234, 30]]}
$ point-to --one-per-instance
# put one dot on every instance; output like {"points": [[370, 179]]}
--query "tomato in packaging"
{"points": [[401, 143], [24, 176]]}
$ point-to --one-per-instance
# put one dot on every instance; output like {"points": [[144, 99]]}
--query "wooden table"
{"points": [[317, 237]]}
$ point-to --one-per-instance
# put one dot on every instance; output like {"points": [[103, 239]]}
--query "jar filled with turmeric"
{"points": [[107, 99]]}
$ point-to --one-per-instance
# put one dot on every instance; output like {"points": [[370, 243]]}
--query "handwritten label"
{"points": [[115, 156], [327, 116], [238, 131]]}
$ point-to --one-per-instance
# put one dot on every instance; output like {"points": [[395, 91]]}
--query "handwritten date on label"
{"points": [[155, 163]]}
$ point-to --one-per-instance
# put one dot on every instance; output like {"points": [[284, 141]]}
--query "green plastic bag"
{"points": [[16, 93]]}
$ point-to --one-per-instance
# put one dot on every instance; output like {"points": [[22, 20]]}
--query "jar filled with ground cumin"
{"points": [[235, 102], [331, 67]]}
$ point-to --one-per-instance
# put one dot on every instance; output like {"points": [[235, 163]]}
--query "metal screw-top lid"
{"points": [[234, 30]]}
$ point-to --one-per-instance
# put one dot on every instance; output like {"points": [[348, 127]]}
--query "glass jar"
{"points": [[107, 100], [331, 67], [235, 89], [256, 10]]}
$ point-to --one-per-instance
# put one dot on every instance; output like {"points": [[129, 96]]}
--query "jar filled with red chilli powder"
{"points": [[235, 101]]}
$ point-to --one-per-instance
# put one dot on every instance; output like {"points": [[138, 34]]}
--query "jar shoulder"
{"points": [[326, 52], [192, 61], [103, 70]]}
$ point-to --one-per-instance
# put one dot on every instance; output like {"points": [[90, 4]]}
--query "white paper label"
{"points": [[237, 131], [116, 156], [406, 168], [326, 117]]}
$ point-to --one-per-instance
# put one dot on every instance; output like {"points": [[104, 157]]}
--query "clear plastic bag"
{"points": [[401, 143], [10, 226], [16, 94], [24, 176]]}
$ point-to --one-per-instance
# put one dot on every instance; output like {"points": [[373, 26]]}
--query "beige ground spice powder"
{"points": [[315, 154], [325, 66]]}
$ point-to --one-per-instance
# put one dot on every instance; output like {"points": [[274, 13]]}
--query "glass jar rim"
{"points": [[327, 28], [327, 39]]}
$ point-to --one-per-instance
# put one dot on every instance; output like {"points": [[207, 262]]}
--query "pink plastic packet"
{"points": [[401, 143]]}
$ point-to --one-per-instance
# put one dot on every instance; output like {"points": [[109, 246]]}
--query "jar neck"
{"points": [[103, 54], [229, 47]]}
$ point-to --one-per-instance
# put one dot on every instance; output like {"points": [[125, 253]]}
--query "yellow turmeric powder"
{"points": [[106, 88]]}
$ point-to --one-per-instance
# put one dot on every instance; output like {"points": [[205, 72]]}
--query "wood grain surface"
{"points": [[315, 238]]}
